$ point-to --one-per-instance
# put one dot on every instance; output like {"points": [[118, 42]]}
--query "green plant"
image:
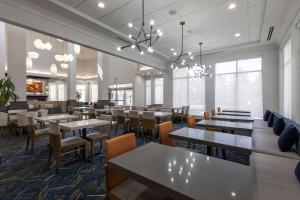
{"points": [[7, 91], [78, 96], [109, 94]]}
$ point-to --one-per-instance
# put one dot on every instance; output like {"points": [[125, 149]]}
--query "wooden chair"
{"points": [[22, 122], [78, 114], [191, 121], [3, 122], [103, 133], [119, 186], [219, 109], [213, 112], [180, 115], [187, 113], [206, 115], [63, 146], [149, 123], [164, 129], [34, 134], [134, 121], [121, 120]]}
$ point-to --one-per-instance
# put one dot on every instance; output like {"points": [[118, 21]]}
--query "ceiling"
{"points": [[208, 21]]}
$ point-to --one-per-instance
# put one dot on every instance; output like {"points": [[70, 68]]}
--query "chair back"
{"points": [[183, 110], [115, 147], [148, 120], [133, 114], [213, 112], [134, 119], [148, 115], [78, 114], [187, 110], [54, 135], [30, 125], [106, 128], [164, 129], [219, 109], [191, 121], [3, 119], [22, 119], [43, 112], [206, 115]]}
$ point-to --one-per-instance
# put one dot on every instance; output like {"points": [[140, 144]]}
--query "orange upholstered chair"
{"points": [[164, 129], [191, 121], [114, 147], [206, 115]]}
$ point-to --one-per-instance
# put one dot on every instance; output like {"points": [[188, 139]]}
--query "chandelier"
{"points": [[143, 37], [201, 70], [184, 58]]}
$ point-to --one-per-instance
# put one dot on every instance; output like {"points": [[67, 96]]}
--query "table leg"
{"points": [[224, 154], [208, 149], [84, 132]]}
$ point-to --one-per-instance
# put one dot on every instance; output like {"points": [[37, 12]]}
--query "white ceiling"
{"points": [[209, 21]]}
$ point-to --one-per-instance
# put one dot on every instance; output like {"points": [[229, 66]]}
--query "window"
{"points": [[93, 92], [81, 88], [122, 94], [159, 90], [188, 90], [148, 92], [287, 79], [238, 85], [57, 92]]}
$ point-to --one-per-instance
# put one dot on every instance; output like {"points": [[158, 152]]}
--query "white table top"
{"points": [[237, 111], [182, 174], [234, 114], [14, 112], [233, 118], [156, 114], [217, 139], [89, 123], [59, 117]]}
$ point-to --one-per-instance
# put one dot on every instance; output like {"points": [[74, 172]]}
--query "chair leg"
{"points": [[1, 131], [57, 160], [92, 150], [49, 152], [27, 143], [86, 152], [32, 144]]}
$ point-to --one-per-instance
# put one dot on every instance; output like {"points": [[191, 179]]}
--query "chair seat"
{"points": [[72, 142], [97, 136], [42, 132], [132, 190]]}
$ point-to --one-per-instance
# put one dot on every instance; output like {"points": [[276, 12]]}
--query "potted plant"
{"points": [[7, 91], [78, 96], [109, 94]]}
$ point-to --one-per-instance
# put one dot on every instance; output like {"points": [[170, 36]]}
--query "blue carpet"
{"points": [[30, 176]]}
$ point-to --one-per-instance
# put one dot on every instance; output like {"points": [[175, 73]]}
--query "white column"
{"points": [[71, 72], [102, 70], [2, 49], [16, 59]]}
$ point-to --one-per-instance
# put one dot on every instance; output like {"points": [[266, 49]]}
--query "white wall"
{"points": [[292, 32]]}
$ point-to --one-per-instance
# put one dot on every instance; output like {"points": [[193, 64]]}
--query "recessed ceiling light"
{"points": [[232, 6], [101, 4], [237, 35], [172, 49]]}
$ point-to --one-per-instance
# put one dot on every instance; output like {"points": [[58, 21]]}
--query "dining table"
{"points": [[232, 118], [56, 117], [236, 143], [227, 126], [234, 114], [182, 174], [237, 111], [82, 125]]}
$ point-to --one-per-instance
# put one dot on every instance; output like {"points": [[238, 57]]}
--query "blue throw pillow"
{"points": [[267, 115], [270, 120], [278, 125], [288, 138], [297, 171]]}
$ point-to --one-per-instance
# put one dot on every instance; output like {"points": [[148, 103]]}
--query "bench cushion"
{"points": [[267, 115], [270, 120], [278, 125], [264, 141], [288, 138], [274, 178]]}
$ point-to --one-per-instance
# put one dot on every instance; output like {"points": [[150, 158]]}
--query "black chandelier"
{"points": [[201, 70], [183, 60], [148, 38]]}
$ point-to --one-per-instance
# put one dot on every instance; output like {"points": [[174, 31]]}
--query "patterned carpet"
{"points": [[30, 176]]}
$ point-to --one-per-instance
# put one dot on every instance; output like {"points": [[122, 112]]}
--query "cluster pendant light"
{"points": [[143, 37], [39, 44], [183, 60]]}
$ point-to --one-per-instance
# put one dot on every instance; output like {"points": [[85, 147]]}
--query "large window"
{"points": [[57, 91], [239, 85], [81, 88], [188, 90], [93, 92], [122, 94], [287, 79], [148, 92], [159, 90]]}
